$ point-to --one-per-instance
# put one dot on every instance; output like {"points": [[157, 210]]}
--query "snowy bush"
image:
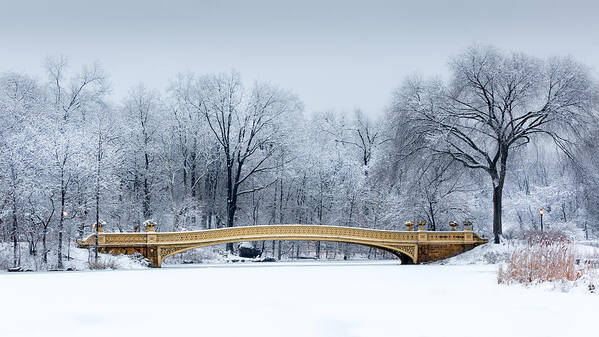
{"points": [[139, 259], [104, 263], [493, 257], [534, 235]]}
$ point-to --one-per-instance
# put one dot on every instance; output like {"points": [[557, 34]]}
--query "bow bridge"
{"points": [[409, 246]]}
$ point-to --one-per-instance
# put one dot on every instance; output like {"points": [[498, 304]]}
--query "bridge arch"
{"points": [[404, 254]]}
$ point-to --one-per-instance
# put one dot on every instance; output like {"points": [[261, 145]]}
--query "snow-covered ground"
{"points": [[289, 299]]}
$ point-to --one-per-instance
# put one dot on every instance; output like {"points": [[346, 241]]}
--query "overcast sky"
{"points": [[336, 55]]}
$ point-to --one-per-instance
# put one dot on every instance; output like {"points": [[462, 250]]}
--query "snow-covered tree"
{"points": [[495, 103]]}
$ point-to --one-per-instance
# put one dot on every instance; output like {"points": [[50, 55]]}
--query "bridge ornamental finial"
{"points": [[421, 225], [99, 226], [409, 224], [453, 225], [467, 226], [150, 226]]}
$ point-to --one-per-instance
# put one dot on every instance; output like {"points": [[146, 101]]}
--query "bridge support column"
{"points": [[152, 254]]}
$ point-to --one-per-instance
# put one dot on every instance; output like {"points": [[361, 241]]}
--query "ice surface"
{"points": [[371, 299]]}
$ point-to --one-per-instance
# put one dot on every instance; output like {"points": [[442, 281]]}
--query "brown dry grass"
{"points": [[543, 259]]}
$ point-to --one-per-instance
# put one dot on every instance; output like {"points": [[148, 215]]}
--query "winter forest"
{"points": [[504, 135]]}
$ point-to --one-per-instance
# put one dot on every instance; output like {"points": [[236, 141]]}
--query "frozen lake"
{"points": [[371, 299]]}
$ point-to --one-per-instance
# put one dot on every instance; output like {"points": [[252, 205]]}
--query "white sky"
{"points": [[334, 54]]}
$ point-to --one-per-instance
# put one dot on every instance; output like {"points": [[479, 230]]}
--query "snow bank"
{"points": [[485, 254], [73, 259], [499, 254]]}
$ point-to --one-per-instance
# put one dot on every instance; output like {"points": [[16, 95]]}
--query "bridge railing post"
{"points": [[98, 227], [150, 226], [453, 225], [467, 226]]}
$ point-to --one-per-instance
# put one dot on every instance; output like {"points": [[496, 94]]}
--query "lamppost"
{"points": [[541, 212]]}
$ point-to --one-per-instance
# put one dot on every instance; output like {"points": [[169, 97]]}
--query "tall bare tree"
{"points": [[142, 112], [495, 103], [70, 100], [19, 107], [246, 129]]}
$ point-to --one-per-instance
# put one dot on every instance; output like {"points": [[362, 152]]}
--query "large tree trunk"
{"points": [[15, 226], [320, 216], [433, 223], [185, 167], [497, 210], [44, 244], [61, 221], [146, 207], [498, 181], [274, 217], [97, 212], [231, 209], [317, 248], [192, 180], [231, 203], [280, 243]]}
